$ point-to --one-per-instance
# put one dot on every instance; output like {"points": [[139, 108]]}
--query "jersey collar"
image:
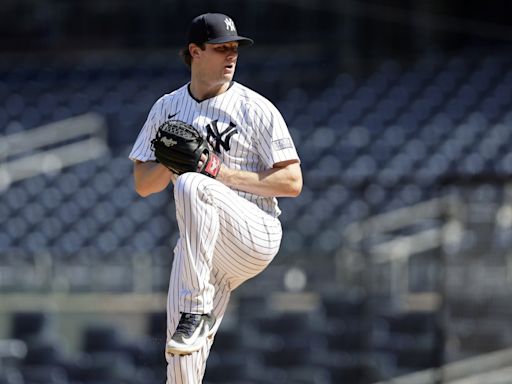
{"points": [[209, 98]]}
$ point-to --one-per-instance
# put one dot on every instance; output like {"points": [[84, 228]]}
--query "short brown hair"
{"points": [[187, 57]]}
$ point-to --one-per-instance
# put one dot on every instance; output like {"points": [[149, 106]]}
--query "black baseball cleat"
{"points": [[191, 333]]}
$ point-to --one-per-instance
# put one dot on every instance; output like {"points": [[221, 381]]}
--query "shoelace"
{"points": [[188, 324]]}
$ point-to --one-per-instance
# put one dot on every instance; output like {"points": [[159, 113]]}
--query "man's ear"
{"points": [[194, 50]]}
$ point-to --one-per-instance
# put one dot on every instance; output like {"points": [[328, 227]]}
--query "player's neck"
{"points": [[202, 91]]}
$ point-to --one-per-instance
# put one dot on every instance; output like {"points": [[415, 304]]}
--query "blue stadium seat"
{"points": [[45, 375], [29, 326]]}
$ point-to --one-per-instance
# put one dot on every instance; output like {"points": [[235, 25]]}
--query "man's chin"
{"points": [[228, 75]]}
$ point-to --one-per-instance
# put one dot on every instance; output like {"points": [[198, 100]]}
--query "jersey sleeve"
{"points": [[142, 150], [275, 142]]}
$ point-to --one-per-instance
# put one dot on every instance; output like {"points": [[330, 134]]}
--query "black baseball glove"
{"points": [[179, 147]]}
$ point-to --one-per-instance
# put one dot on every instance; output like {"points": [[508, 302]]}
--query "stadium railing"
{"points": [[51, 147]]}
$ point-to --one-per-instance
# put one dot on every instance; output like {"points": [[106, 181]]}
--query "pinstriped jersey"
{"points": [[245, 129]]}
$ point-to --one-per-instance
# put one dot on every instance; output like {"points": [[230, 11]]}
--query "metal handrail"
{"points": [[391, 239], [51, 147], [390, 221], [91, 124]]}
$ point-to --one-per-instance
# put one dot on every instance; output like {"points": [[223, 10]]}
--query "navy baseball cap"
{"points": [[215, 28]]}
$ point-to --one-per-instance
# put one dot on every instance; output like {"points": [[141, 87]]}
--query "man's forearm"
{"points": [[150, 177], [283, 181]]}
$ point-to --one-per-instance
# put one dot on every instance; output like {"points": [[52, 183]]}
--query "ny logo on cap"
{"points": [[230, 25]]}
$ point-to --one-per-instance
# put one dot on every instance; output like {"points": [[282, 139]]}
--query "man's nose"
{"points": [[233, 52]]}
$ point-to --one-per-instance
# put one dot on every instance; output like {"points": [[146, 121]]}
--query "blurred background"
{"points": [[395, 260]]}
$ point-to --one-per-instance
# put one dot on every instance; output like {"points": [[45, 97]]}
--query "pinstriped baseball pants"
{"points": [[224, 240]]}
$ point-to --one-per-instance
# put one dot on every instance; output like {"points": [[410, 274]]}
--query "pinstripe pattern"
{"points": [[226, 236], [224, 241], [235, 241], [190, 369], [262, 137], [213, 218]]}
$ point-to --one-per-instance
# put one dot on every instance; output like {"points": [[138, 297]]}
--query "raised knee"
{"points": [[187, 178], [190, 185]]}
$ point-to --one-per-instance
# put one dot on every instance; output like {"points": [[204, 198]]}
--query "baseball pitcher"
{"points": [[228, 153]]}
